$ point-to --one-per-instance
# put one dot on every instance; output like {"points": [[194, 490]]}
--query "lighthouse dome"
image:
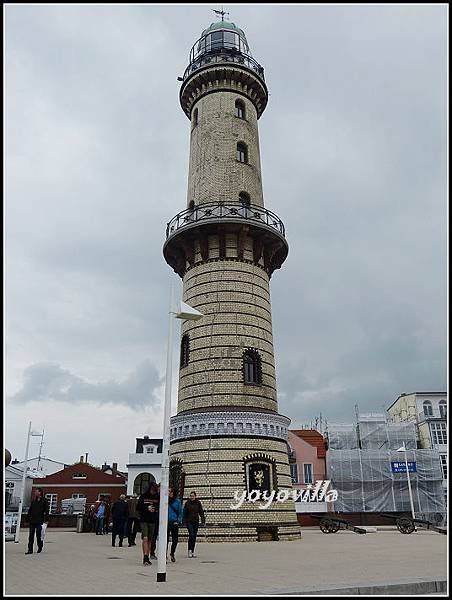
{"points": [[222, 36]]}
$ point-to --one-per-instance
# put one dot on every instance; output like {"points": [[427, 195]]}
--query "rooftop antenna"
{"points": [[221, 12], [40, 449]]}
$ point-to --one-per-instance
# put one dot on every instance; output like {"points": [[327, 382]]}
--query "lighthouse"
{"points": [[228, 437]]}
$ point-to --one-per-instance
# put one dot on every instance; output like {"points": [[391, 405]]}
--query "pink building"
{"points": [[307, 454]]}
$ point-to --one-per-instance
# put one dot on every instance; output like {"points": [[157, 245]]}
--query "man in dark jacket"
{"points": [[133, 522], [148, 509], [38, 513], [119, 513]]}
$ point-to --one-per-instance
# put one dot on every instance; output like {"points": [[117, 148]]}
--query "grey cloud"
{"points": [[45, 382], [353, 149]]}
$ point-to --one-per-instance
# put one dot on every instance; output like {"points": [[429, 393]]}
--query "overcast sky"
{"points": [[353, 148]]}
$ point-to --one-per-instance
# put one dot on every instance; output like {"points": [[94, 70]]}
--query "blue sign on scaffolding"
{"points": [[400, 467]]}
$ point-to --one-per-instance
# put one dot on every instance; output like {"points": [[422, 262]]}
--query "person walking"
{"points": [[133, 522], [193, 513], [92, 517], [106, 528], [100, 517], [147, 508], [175, 513], [119, 514], [38, 514]]}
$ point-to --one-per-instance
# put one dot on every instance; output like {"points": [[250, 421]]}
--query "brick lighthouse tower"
{"points": [[227, 436]]}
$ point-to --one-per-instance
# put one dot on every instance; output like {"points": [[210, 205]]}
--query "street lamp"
{"points": [[403, 449], [185, 312], [24, 476]]}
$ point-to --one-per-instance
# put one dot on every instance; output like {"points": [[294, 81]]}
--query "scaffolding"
{"points": [[342, 436], [359, 465]]}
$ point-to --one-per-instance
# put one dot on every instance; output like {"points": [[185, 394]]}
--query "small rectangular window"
{"points": [[307, 472], [294, 472], [52, 498]]}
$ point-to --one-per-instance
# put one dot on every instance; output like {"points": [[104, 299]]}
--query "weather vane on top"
{"points": [[221, 12]]}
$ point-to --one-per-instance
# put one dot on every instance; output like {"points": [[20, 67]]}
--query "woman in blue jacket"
{"points": [[175, 512]]}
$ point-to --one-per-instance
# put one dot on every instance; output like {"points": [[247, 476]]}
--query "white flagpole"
{"points": [[163, 505], [24, 475]]}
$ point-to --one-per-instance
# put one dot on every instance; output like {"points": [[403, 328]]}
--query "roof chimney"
{"points": [[114, 469], [81, 458]]}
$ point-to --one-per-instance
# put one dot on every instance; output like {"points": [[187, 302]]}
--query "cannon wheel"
{"points": [[405, 525], [327, 526], [335, 527]]}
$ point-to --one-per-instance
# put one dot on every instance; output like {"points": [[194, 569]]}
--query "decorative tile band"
{"points": [[234, 424]]}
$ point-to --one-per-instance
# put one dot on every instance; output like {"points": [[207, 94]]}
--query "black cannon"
{"points": [[406, 523], [332, 524]]}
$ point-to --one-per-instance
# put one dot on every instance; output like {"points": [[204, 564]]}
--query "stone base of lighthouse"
{"points": [[218, 467]]}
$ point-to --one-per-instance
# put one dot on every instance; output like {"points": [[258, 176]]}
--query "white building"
{"points": [[13, 487], [40, 466], [429, 411], [145, 465]]}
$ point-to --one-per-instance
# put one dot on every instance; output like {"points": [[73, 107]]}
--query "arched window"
{"points": [[443, 409], [242, 152], [239, 109], [177, 477], [428, 410], [184, 351], [244, 199], [252, 368], [142, 482], [195, 117]]}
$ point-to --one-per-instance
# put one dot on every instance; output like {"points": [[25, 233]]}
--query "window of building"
{"points": [[195, 117], [307, 472], [149, 449], [184, 350], [294, 472], [252, 368], [439, 433], [242, 152], [52, 498], [239, 109], [443, 409], [75, 496], [216, 39], [244, 199], [443, 458], [79, 476], [142, 482], [428, 410]]}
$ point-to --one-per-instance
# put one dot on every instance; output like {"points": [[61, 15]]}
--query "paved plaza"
{"points": [[85, 564]]}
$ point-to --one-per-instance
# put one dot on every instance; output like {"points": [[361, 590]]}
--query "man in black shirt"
{"points": [[38, 513], [119, 514], [147, 508]]}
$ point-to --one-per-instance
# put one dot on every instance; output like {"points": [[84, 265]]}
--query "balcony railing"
{"points": [[224, 55], [214, 211]]}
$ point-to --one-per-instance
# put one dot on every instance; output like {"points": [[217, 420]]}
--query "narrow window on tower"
{"points": [[252, 368], [242, 152], [239, 109], [184, 351], [244, 199], [195, 117]]}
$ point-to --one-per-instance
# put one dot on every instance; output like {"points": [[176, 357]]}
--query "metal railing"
{"points": [[214, 211], [224, 55]]}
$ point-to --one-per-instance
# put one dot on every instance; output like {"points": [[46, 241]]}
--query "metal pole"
{"points": [[24, 475], [409, 482], [163, 507]]}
